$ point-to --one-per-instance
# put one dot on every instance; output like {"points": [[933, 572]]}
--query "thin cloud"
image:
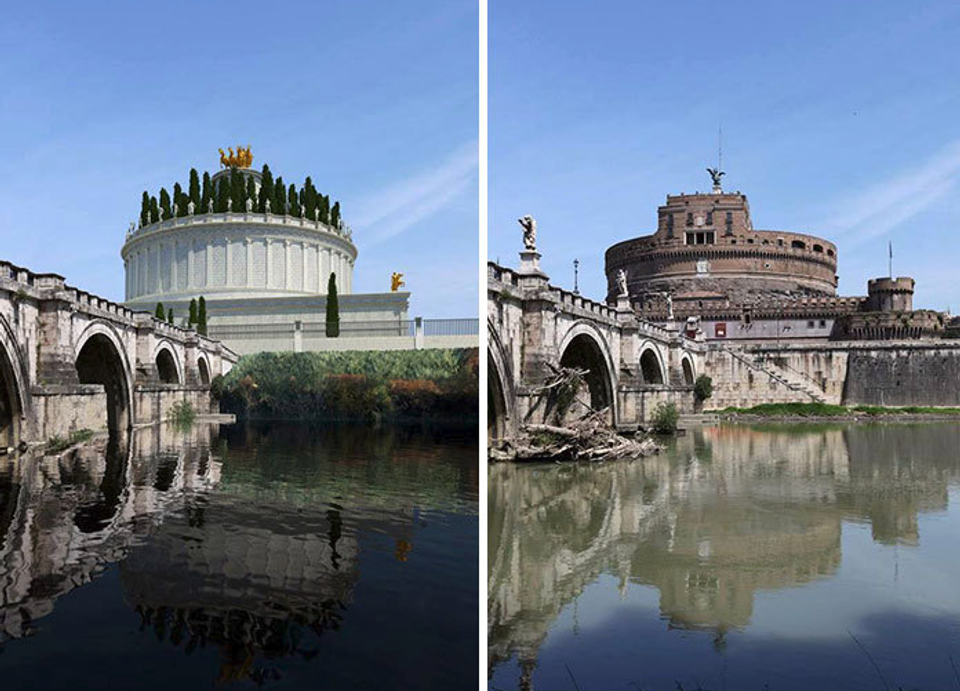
{"points": [[401, 205], [890, 203]]}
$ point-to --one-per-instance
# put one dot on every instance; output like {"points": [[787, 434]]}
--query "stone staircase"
{"points": [[794, 381]]}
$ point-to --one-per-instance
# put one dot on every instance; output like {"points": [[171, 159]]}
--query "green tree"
{"points": [[202, 316], [266, 189], [703, 388], [665, 417], [323, 202], [251, 193], [223, 194], [170, 316], [154, 210], [206, 195], [333, 308], [335, 215], [194, 190], [145, 209], [310, 199], [236, 189], [192, 316], [179, 200], [159, 312], [279, 201], [293, 201], [165, 203]]}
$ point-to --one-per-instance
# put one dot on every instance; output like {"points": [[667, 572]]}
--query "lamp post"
{"points": [[576, 271]]}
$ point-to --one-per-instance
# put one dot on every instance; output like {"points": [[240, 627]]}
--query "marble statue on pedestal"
{"points": [[622, 283], [529, 225]]}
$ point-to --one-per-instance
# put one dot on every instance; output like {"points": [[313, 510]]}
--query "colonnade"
{"points": [[262, 264]]}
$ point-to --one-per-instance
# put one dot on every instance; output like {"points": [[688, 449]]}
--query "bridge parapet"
{"points": [[65, 354]]}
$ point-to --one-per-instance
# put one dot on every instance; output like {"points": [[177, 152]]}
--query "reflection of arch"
{"points": [[651, 368], [101, 359], [167, 367], [689, 374], [583, 347], [203, 370], [501, 397], [13, 404]]}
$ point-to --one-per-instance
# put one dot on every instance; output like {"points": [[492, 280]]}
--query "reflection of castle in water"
{"points": [[730, 511]]}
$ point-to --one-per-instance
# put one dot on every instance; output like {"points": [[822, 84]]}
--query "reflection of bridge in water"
{"points": [[733, 510], [243, 581]]}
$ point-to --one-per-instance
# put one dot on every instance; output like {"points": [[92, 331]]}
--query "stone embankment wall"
{"points": [[881, 373]]}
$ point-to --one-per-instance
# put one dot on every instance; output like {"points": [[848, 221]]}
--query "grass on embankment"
{"points": [[56, 443], [824, 410], [353, 385]]}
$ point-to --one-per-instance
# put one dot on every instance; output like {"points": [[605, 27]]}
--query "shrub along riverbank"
{"points": [[363, 385], [824, 410]]}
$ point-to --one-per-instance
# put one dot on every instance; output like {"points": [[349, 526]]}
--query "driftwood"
{"points": [[589, 438]]}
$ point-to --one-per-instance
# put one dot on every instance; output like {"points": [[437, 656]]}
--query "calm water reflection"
{"points": [[746, 557], [273, 556]]}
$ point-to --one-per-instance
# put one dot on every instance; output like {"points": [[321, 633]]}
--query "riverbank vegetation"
{"points": [[824, 410], [56, 443], [357, 385]]}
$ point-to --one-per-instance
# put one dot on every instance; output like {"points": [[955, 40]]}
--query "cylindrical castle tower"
{"points": [[706, 244], [225, 250], [890, 294]]}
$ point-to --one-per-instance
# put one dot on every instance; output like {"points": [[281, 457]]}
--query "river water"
{"points": [[744, 557], [273, 556]]}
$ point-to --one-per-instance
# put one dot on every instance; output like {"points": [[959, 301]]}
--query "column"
{"points": [[229, 252], [173, 268], [191, 270], [324, 269], [286, 265], [303, 268], [268, 262], [249, 247]]}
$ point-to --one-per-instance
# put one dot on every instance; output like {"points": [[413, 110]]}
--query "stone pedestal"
{"points": [[530, 263]]}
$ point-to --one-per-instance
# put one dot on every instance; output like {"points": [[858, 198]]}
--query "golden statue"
{"points": [[396, 280], [242, 159]]}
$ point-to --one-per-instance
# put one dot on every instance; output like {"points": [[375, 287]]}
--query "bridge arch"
{"points": [[584, 347], [687, 370], [14, 395], [168, 364], [203, 370], [101, 359], [651, 365], [501, 397]]}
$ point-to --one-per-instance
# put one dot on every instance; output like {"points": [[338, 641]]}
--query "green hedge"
{"points": [[353, 385]]}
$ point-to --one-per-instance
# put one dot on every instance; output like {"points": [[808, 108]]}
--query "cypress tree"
{"points": [[279, 197], [159, 313], [192, 317], [266, 189], [333, 308], [223, 194], [170, 316], [206, 195], [324, 204], [165, 203], [293, 201], [335, 215], [310, 199], [154, 210], [251, 193], [236, 189], [202, 316], [195, 190], [145, 209], [179, 203]]}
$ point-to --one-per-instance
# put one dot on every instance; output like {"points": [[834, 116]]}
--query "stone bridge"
{"points": [[70, 360], [535, 327]]}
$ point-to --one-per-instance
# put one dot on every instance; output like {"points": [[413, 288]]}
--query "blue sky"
{"points": [[376, 101], [840, 119]]}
